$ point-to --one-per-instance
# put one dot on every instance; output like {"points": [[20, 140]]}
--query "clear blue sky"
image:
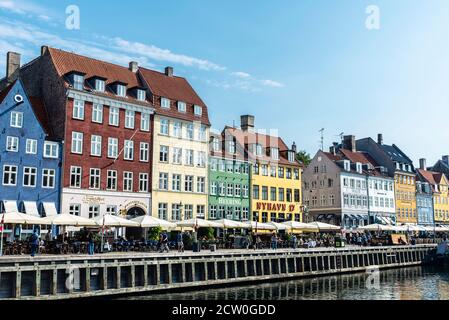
{"points": [[298, 66]]}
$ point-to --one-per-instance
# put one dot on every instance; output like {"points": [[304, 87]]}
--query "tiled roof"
{"points": [[266, 141], [395, 154], [66, 62], [41, 113], [176, 89], [432, 177], [5, 91]]}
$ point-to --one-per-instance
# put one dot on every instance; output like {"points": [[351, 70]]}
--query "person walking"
{"points": [[295, 241], [274, 242], [180, 242], [34, 242], [164, 243], [90, 245]]}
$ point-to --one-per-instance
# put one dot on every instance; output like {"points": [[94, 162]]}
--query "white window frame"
{"points": [[176, 182], [32, 172], [95, 145], [198, 110], [78, 109], [177, 129], [141, 95], [16, 119], [97, 113], [100, 85], [145, 122], [164, 127], [31, 146], [163, 181], [77, 142], [165, 103], [128, 178], [12, 144], [130, 117], [112, 148], [51, 150], [144, 152], [182, 106], [78, 82], [164, 154], [78, 176], [111, 180], [190, 157], [11, 171], [143, 182], [128, 153], [114, 116], [177, 155], [121, 90], [95, 173]]}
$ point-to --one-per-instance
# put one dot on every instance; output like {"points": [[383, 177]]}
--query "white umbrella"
{"points": [[199, 223], [260, 225], [279, 226], [324, 226], [65, 219], [377, 227], [300, 226], [151, 222], [110, 220], [21, 218], [231, 224]]}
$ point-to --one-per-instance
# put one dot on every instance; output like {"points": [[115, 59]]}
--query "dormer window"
{"points": [[275, 153], [258, 150], [358, 166], [216, 144], [121, 90], [181, 106], [291, 156], [347, 165], [165, 103], [141, 95], [231, 147], [78, 82], [99, 85], [398, 166], [198, 111]]}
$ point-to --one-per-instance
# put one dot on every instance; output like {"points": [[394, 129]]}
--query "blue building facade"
{"points": [[424, 203], [29, 159]]}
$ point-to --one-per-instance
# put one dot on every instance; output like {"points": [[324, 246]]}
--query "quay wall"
{"points": [[65, 277]]}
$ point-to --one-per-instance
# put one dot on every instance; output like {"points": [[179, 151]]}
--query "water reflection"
{"points": [[416, 283]]}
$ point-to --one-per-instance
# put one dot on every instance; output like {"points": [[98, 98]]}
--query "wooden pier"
{"points": [[64, 277]]}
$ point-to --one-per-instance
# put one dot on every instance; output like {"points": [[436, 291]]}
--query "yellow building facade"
{"points": [[179, 179], [441, 199], [405, 195], [276, 192]]}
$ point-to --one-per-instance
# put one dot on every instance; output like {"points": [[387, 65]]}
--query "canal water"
{"points": [[415, 283]]}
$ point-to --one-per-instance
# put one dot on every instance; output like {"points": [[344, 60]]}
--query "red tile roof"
{"points": [[41, 113], [176, 89]]}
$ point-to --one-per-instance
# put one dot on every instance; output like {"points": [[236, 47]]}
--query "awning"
{"points": [[10, 206], [31, 208], [50, 209], [388, 220], [329, 216], [320, 216]]}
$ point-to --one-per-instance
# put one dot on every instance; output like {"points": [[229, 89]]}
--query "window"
{"points": [[202, 133], [296, 174], [51, 150], [176, 182], [163, 154], [281, 194], [141, 95], [256, 192], [94, 211], [265, 170], [189, 157], [188, 185], [163, 181], [127, 181], [200, 184], [201, 159], [111, 210], [75, 209], [12, 144], [129, 119], [78, 82], [281, 172], [97, 113], [177, 129], [143, 182], [222, 166], [177, 155], [273, 171], [216, 144], [129, 150], [77, 142], [213, 212], [297, 197], [275, 153], [189, 132], [264, 193], [48, 178], [245, 191], [165, 103], [29, 177], [94, 180], [175, 212], [16, 119], [213, 188], [9, 175], [162, 211], [273, 193], [144, 151], [188, 211], [258, 149], [99, 85], [181, 106], [114, 116], [198, 110], [111, 180], [164, 127], [230, 190], [121, 90], [75, 177], [95, 146], [245, 212], [78, 109], [112, 147], [31, 146], [222, 189], [237, 190], [288, 173], [145, 122]]}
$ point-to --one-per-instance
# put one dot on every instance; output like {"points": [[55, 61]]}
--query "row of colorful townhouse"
{"points": [[359, 182], [87, 137]]}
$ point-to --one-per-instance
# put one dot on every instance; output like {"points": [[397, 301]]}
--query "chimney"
{"points": [[380, 139], [294, 146], [445, 159], [44, 49], [349, 143], [422, 164], [133, 66], [12, 66], [332, 150], [169, 71], [247, 122]]}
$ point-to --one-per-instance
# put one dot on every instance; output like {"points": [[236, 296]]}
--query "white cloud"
{"points": [[240, 74], [23, 7], [271, 83]]}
